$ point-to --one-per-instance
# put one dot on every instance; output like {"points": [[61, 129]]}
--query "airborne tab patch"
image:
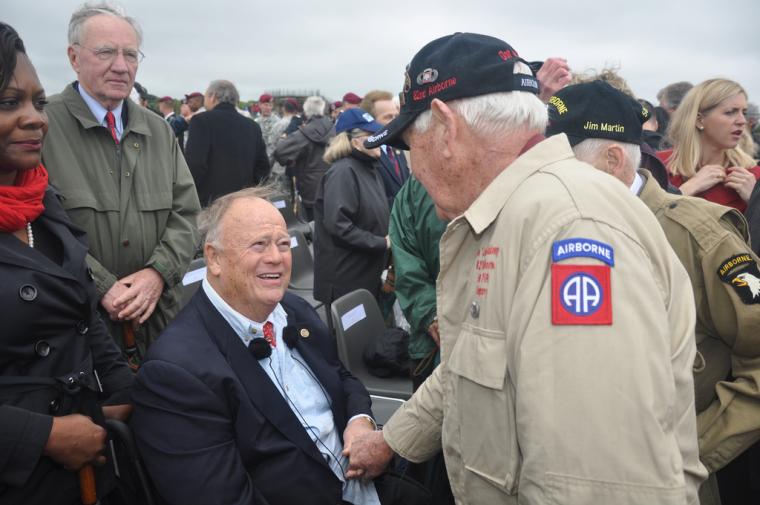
{"points": [[583, 247], [581, 295], [742, 274]]}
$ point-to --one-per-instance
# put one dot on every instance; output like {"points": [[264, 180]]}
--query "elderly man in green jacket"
{"points": [[122, 176]]}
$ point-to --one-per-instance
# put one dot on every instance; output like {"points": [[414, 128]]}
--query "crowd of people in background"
{"points": [[107, 193]]}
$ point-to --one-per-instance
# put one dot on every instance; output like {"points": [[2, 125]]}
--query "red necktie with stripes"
{"points": [[269, 334], [111, 122], [392, 157]]}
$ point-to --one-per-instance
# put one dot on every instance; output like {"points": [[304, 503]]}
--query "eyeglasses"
{"points": [[106, 53]]}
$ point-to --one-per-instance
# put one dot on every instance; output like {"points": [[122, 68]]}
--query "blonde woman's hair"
{"points": [[340, 146], [683, 132]]}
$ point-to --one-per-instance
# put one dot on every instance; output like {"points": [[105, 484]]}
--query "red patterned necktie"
{"points": [[111, 122], [269, 334], [392, 157]]}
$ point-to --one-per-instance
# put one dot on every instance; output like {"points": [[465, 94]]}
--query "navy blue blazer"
{"points": [[213, 428], [392, 181]]}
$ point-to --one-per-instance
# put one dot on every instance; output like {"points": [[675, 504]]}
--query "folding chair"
{"points": [[285, 206], [383, 408], [357, 320], [133, 484]]}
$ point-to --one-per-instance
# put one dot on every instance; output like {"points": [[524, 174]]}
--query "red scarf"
{"points": [[22, 202]]}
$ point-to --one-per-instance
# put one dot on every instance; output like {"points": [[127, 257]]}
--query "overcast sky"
{"points": [[336, 46]]}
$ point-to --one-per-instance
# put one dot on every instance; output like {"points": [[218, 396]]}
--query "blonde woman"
{"points": [[707, 159], [351, 213]]}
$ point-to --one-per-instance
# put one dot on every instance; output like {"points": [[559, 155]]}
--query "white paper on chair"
{"points": [[280, 204], [194, 276], [353, 316], [293, 242]]}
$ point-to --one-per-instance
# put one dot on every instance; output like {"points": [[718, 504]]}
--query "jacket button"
{"points": [[42, 348], [27, 292], [125, 243], [90, 274], [54, 406], [82, 328], [475, 310]]}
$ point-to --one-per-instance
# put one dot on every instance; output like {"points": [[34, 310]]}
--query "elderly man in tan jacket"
{"points": [[711, 242], [566, 321]]}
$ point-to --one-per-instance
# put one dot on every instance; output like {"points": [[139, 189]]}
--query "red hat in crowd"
{"points": [[166, 99], [337, 105], [194, 94], [292, 105], [265, 98], [352, 98]]}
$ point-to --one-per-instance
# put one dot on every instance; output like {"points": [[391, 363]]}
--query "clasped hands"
{"points": [[134, 297], [366, 449], [739, 179]]}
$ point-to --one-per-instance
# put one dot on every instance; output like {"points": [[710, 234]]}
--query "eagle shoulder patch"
{"points": [[741, 273]]}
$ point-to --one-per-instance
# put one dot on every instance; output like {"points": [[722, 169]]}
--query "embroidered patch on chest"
{"points": [[742, 274], [581, 295], [583, 248]]}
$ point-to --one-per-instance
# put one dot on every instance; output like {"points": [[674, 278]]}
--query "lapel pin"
{"points": [[304, 332]]}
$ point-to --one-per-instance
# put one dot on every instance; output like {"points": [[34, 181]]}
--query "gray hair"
{"points": [[496, 114], [89, 10], [672, 94], [210, 218], [753, 114], [224, 91], [589, 150], [314, 106]]}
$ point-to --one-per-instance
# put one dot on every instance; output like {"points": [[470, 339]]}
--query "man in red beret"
{"points": [[351, 101], [267, 120]]}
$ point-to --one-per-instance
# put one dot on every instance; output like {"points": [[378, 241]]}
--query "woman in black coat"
{"points": [[55, 352], [350, 213]]}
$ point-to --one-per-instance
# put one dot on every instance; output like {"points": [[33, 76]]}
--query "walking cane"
{"points": [[87, 489], [130, 347]]}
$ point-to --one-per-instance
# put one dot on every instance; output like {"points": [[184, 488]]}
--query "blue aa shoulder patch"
{"points": [[583, 247]]}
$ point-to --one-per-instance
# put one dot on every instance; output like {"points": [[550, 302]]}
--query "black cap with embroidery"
{"points": [[595, 110], [456, 66]]}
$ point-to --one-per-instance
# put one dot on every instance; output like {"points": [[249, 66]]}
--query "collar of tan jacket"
{"points": [[484, 210]]}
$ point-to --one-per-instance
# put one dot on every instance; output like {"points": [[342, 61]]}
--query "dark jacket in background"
{"points": [[351, 221], [752, 213], [301, 153], [225, 152], [391, 179], [179, 127], [51, 329]]}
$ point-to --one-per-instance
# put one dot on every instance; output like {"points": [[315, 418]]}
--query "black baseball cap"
{"points": [[596, 110], [461, 65]]}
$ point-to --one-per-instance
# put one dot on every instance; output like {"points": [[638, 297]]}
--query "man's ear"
{"points": [[447, 131], [73, 58], [213, 260], [615, 159]]}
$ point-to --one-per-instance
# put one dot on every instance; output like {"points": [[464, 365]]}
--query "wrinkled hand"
{"points": [[553, 75], [705, 178], [107, 302], [120, 412], [140, 299], [433, 331], [75, 441], [369, 456], [355, 428], [740, 180]]}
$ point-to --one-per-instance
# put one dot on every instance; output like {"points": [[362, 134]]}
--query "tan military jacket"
{"points": [[535, 412], [705, 237]]}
